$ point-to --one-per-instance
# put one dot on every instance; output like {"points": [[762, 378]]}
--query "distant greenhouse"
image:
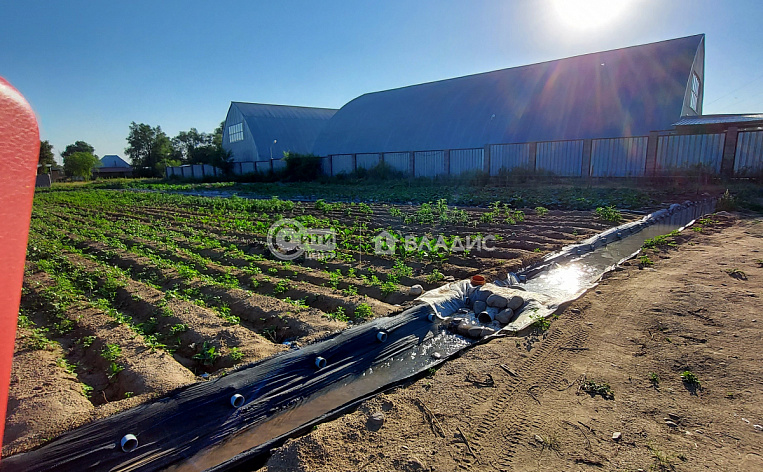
{"points": [[259, 132]]}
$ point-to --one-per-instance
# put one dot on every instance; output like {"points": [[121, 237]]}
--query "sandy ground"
{"points": [[518, 403]]}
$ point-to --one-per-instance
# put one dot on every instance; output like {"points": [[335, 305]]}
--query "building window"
{"points": [[236, 133], [694, 104]]}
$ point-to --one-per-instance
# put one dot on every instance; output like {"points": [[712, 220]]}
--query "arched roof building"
{"points": [[251, 129], [623, 92]]}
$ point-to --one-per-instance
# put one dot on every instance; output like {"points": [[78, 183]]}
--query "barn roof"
{"points": [[295, 128], [623, 92]]}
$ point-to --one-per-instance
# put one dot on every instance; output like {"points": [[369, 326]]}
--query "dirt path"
{"points": [[519, 404]]}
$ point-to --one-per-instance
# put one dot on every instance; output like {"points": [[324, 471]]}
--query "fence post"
{"points": [[381, 158], [331, 165], [354, 162], [585, 170], [412, 163], [486, 159], [729, 151], [651, 154], [533, 156], [446, 156]]}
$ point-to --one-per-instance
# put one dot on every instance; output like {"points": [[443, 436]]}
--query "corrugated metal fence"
{"points": [[620, 157], [688, 151], [747, 158], [639, 156]]}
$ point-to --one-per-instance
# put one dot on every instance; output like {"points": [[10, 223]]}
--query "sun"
{"points": [[589, 14]]}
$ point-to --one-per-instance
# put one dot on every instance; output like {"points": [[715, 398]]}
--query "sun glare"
{"points": [[589, 14]]}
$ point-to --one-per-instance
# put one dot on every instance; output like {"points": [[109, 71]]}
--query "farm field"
{"points": [[128, 295]]}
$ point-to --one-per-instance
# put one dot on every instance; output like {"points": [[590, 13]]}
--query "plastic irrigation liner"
{"points": [[207, 426]]}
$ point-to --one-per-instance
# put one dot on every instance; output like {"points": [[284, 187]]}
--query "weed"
{"points": [[654, 378], [690, 378], [129, 394], [662, 462], [208, 354], [541, 211], [737, 274], [726, 202], [540, 323], [661, 240], [609, 214], [87, 390], [595, 388]]}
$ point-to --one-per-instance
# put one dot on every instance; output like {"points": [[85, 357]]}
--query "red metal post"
{"points": [[19, 152]]}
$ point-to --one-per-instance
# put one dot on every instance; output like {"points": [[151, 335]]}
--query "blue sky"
{"points": [[89, 68]]}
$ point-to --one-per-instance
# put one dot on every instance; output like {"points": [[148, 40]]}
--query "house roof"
{"points": [[747, 118], [112, 160], [623, 92]]}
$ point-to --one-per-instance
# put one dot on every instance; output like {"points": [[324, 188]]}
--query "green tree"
{"points": [[79, 146], [46, 157], [80, 164], [149, 148], [194, 147]]}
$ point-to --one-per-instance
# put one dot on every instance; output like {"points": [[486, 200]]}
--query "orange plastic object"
{"points": [[19, 151], [478, 280]]}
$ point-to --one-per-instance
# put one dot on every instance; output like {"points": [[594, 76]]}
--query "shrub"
{"points": [[610, 214], [302, 167]]}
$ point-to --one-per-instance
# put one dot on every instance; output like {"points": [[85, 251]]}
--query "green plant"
{"points": [[338, 314], [663, 462], [435, 276], [87, 390], [540, 323], [609, 214], [597, 388], [64, 364], [363, 311], [114, 369], [129, 394], [208, 354], [178, 329], [654, 378], [690, 378], [111, 352], [726, 202], [86, 341], [235, 354], [541, 211], [645, 261]]}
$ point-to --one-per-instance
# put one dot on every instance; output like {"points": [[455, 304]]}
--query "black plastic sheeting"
{"points": [[196, 417]]}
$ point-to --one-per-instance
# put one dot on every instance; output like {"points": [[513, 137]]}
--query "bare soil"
{"points": [[521, 403]]}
